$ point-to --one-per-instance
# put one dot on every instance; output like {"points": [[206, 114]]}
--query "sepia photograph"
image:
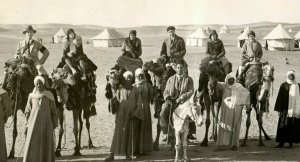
{"points": [[149, 80]]}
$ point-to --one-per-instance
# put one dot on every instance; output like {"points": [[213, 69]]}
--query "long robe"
{"points": [[142, 122], [288, 129], [5, 112], [121, 143], [231, 114], [41, 117]]}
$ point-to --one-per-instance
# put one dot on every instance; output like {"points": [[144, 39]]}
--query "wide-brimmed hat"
{"points": [[29, 28], [212, 33]]}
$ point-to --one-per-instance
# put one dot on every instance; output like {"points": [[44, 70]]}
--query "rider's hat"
{"points": [[251, 32], [29, 28], [212, 33], [170, 28]]}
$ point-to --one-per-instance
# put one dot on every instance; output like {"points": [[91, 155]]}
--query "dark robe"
{"points": [[288, 129]]}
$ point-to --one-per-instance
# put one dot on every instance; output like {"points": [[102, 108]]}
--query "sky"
{"points": [[128, 13]]}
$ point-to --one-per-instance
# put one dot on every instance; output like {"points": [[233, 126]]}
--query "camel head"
{"points": [[60, 81], [268, 73]]}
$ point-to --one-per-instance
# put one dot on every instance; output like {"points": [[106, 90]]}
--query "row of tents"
{"points": [[107, 38], [277, 39]]}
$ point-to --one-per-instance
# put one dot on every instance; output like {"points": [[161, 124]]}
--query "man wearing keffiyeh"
{"points": [[41, 120], [288, 106]]}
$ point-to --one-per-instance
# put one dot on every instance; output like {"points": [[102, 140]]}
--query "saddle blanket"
{"points": [[130, 64]]}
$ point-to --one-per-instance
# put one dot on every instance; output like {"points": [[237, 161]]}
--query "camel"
{"points": [[159, 76], [211, 72], [18, 82], [72, 94], [257, 77]]}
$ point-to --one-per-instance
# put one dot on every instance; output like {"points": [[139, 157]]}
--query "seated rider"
{"points": [[179, 88], [215, 51], [132, 46], [73, 53], [252, 50], [30, 48]]}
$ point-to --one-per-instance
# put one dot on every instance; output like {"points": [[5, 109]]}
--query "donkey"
{"points": [[181, 118]]}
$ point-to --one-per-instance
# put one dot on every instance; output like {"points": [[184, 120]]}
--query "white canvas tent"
{"points": [[109, 38], [297, 39], [59, 36], [243, 37], [197, 39], [224, 30], [279, 39], [290, 30]]}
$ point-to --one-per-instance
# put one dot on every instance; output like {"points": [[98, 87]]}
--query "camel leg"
{"points": [[248, 123], [207, 122], [267, 138], [156, 142], [75, 131], [184, 145], [88, 129], [215, 109], [177, 146], [259, 121], [80, 127], [15, 134], [60, 112]]}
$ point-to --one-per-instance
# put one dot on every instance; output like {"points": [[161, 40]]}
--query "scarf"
{"points": [[235, 97], [40, 95], [294, 97]]}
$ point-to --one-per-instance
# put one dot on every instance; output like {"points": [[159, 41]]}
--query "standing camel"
{"points": [[72, 94], [159, 76], [18, 82], [213, 72], [257, 77]]}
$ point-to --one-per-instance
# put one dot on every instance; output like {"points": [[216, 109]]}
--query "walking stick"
{"points": [[131, 123]]}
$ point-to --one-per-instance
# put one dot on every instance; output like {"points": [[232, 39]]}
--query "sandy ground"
{"points": [[102, 125]]}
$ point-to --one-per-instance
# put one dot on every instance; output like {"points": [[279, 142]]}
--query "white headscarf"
{"points": [[235, 84], [45, 93], [294, 96], [288, 80], [127, 73], [138, 72], [39, 78]]}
